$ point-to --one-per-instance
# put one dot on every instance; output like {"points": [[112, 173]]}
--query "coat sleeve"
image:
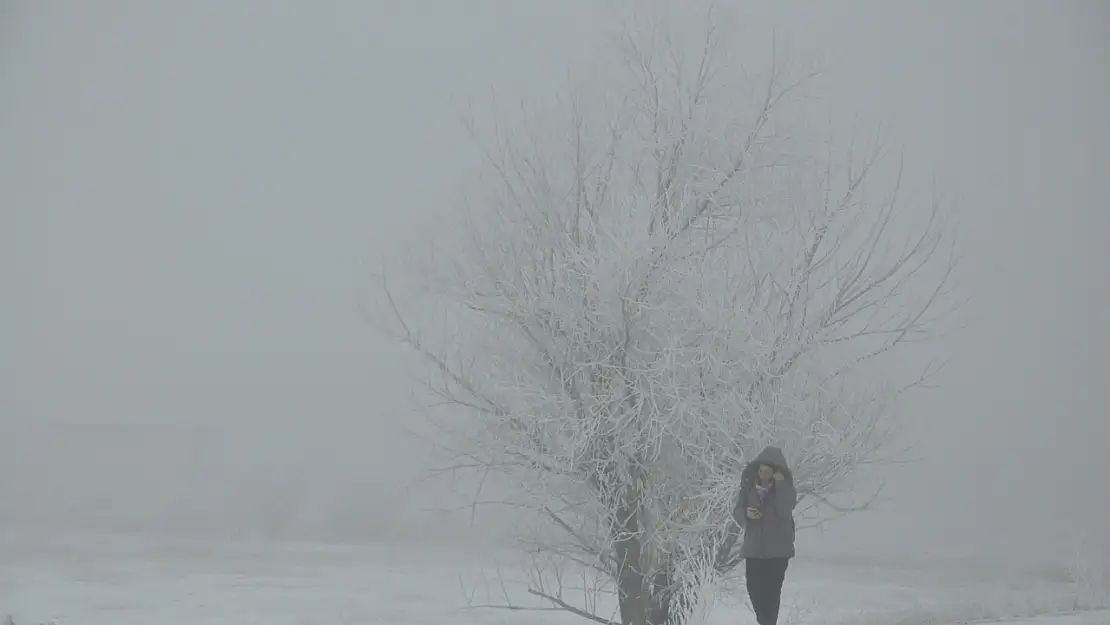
{"points": [[786, 497], [740, 512]]}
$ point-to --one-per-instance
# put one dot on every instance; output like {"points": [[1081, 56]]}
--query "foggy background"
{"points": [[194, 195]]}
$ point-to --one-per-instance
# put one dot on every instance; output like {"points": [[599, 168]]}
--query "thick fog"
{"points": [[194, 196]]}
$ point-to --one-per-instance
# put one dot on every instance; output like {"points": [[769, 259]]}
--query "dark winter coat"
{"points": [[771, 536]]}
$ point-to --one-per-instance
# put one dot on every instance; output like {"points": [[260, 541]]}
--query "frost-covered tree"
{"points": [[656, 278]]}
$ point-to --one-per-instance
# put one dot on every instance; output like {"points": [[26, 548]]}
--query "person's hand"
{"points": [[779, 476], [754, 513]]}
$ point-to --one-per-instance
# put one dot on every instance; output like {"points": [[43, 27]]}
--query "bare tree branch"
{"points": [[569, 608]]}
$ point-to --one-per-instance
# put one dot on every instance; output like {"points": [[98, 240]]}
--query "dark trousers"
{"points": [[765, 577]]}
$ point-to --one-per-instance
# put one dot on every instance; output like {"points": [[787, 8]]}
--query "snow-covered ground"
{"points": [[84, 580]]}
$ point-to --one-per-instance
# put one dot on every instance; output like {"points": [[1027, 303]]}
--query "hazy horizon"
{"points": [[195, 196]]}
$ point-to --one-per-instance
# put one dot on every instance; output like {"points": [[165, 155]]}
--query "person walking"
{"points": [[766, 512]]}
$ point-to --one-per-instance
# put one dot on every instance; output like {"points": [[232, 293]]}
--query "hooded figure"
{"points": [[766, 512], [772, 534]]}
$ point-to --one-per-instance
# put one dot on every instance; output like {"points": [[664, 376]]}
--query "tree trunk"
{"points": [[669, 605], [661, 596], [630, 577]]}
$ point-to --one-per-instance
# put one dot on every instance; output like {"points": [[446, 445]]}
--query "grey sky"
{"points": [[193, 194]]}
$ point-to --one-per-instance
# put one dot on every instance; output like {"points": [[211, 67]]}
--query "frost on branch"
{"points": [[656, 285]]}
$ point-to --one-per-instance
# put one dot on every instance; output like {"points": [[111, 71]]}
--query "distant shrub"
{"points": [[8, 620]]}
